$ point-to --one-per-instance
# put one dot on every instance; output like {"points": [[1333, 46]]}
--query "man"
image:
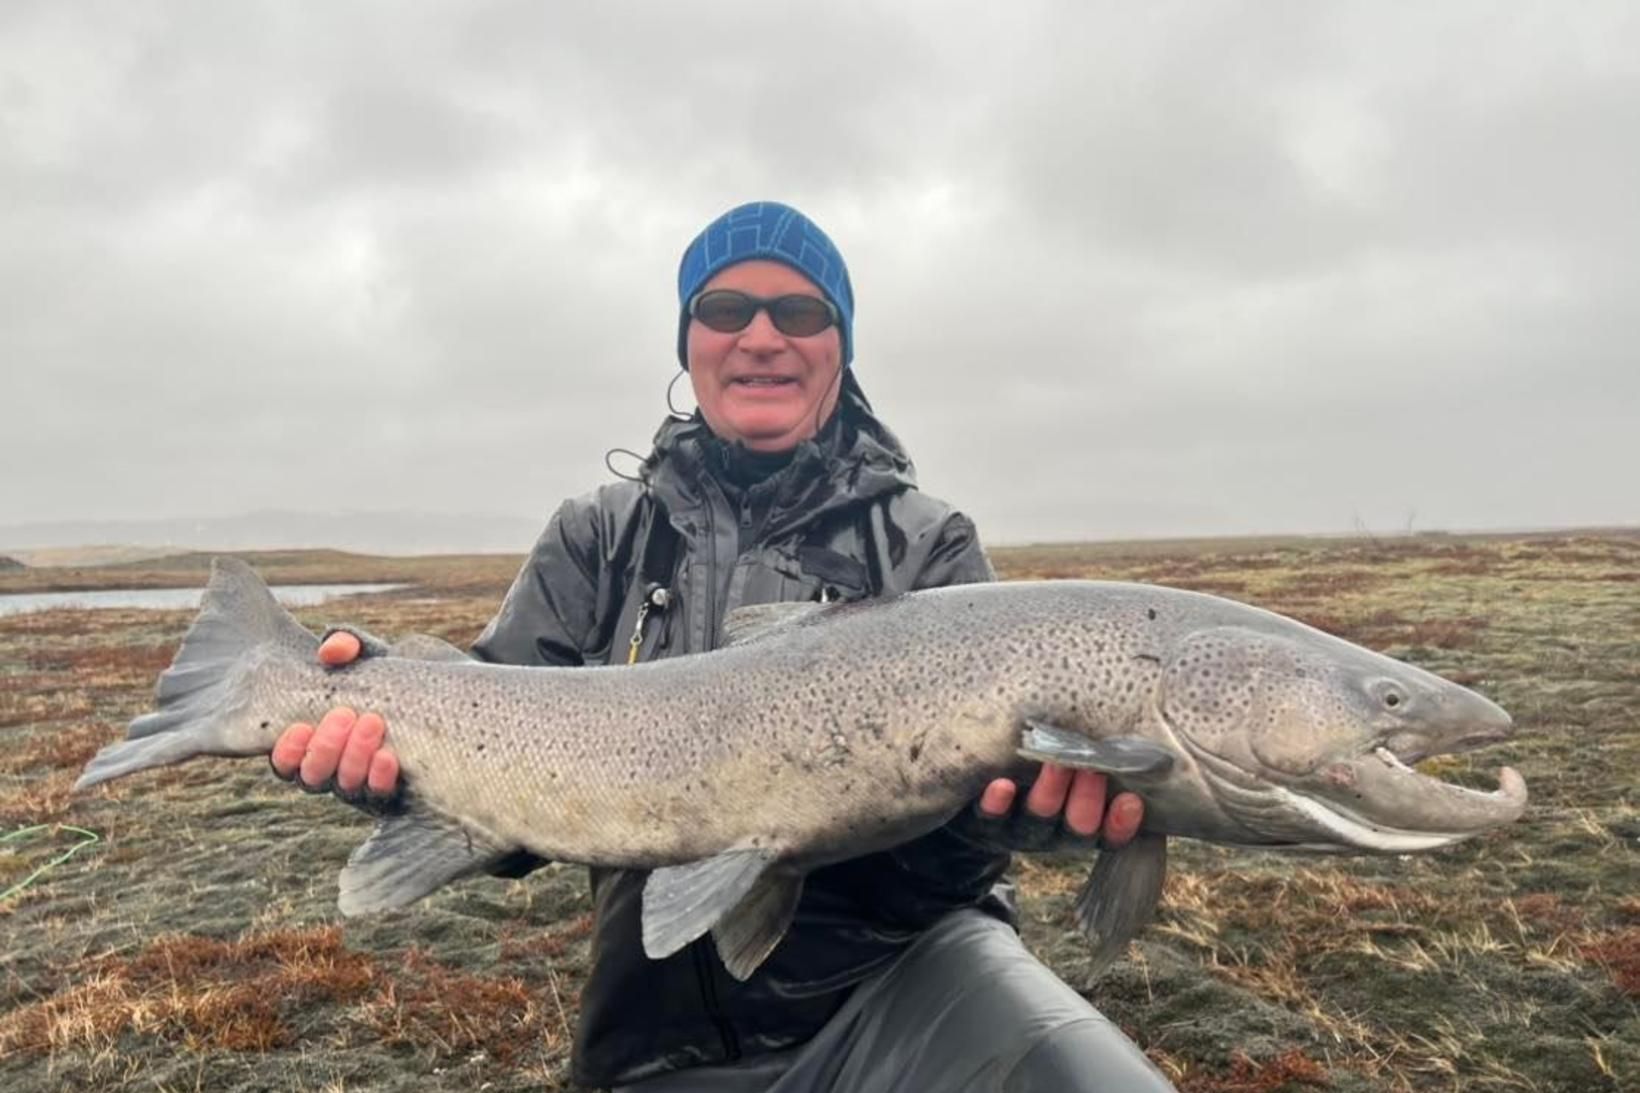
{"points": [[900, 970]]}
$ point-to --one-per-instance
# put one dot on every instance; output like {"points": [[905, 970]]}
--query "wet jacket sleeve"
{"points": [[549, 614], [956, 557]]}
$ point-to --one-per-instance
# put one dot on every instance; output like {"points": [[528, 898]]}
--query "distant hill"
{"points": [[358, 532]]}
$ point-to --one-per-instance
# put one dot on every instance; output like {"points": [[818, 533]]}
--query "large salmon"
{"points": [[830, 731]]}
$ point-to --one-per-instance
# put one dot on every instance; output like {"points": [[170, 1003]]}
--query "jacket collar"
{"points": [[854, 458]]}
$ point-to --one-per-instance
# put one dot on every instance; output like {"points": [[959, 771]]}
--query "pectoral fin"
{"points": [[682, 902], [410, 855], [748, 934], [1121, 894], [1133, 756]]}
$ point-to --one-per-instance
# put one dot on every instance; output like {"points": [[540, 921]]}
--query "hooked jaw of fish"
{"points": [[1378, 801], [1326, 758]]}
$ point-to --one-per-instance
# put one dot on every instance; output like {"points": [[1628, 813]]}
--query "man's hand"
{"points": [[1079, 795], [346, 752]]}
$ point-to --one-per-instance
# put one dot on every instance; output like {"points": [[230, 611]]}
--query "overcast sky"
{"points": [[1122, 269]]}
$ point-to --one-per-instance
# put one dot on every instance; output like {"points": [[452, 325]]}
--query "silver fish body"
{"points": [[831, 731]]}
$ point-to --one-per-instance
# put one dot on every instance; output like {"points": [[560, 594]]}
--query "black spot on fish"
{"points": [[916, 750], [1150, 612], [1152, 657], [481, 747], [266, 724]]}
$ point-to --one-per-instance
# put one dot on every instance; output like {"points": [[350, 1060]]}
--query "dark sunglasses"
{"points": [[728, 311]]}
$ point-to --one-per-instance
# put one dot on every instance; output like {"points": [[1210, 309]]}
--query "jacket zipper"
{"points": [[709, 626], [702, 958]]}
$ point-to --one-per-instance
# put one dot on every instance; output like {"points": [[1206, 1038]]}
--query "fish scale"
{"points": [[829, 731]]}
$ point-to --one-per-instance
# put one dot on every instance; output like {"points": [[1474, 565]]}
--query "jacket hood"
{"points": [[854, 457]]}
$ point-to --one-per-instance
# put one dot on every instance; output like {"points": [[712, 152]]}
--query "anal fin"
{"points": [[748, 933], [1120, 895], [410, 855]]}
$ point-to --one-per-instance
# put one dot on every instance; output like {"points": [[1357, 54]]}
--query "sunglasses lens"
{"points": [[725, 312], [728, 312], [800, 316]]}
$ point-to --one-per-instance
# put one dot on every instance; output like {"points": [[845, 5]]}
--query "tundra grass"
{"points": [[196, 944]]}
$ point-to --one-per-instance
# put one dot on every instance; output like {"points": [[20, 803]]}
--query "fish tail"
{"points": [[203, 697]]}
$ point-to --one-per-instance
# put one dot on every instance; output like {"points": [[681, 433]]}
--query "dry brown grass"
{"points": [[105, 665], [1384, 628], [56, 749], [40, 799], [554, 941], [1617, 951], [33, 702], [1289, 1071], [1326, 581], [428, 1003], [1547, 909], [198, 992]]}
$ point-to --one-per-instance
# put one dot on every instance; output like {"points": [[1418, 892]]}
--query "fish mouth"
{"points": [[1415, 750], [1372, 802], [1380, 802], [1461, 812]]}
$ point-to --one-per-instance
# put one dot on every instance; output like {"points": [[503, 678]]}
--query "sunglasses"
{"points": [[727, 312]]}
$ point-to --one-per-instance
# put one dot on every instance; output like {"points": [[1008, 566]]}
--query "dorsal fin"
{"points": [[760, 620]]}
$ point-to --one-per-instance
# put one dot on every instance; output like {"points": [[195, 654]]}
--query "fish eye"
{"points": [[1389, 693]]}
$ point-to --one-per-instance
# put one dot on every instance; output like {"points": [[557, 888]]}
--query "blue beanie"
{"points": [[766, 229]]}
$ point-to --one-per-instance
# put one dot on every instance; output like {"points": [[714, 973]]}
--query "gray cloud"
{"points": [[1122, 271]]}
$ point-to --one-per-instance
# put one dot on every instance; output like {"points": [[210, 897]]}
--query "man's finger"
{"points": [[289, 749], [325, 750], [1122, 822], [1047, 796], [998, 799], [1085, 805], [339, 649], [384, 773], [362, 744]]}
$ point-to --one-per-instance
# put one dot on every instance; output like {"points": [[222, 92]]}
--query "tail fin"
{"points": [[202, 695]]}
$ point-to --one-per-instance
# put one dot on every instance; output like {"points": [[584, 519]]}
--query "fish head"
{"points": [[1308, 739]]}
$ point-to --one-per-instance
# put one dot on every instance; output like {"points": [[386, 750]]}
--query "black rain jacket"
{"points": [[842, 520]]}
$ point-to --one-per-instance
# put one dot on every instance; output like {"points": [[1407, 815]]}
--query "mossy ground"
{"points": [[196, 945]]}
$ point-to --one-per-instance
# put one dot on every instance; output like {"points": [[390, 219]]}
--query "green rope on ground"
{"points": [[89, 837]]}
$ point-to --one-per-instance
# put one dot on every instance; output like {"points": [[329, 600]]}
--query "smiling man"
{"points": [[901, 970]]}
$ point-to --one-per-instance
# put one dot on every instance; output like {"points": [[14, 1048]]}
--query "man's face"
{"points": [[769, 390]]}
